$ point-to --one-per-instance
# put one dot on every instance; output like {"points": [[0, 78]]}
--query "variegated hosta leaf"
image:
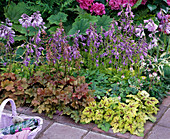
{"points": [[109, 115]]}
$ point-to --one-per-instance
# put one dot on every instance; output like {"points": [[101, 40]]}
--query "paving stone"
{"points": [[166, 101], [46, 124], [69, 121], [148, 125], [136, 137], [124, 136], [110, 132], [165, 120], [60, 131], [93, 135], [159, 132], [161, 111]]}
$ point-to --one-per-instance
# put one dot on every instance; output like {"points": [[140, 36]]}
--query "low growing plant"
{"points": [[130, 116]]}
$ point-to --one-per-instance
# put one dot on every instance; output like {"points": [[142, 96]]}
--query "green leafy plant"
{"points": [[130, 116]]}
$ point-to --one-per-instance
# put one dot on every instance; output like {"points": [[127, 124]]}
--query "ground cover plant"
{"points": [[106, 63]]}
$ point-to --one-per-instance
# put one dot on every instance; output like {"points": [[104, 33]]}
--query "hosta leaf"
{"points": [[19, 38], [89, 17], [80, 26], [151, 7], [103, 22], [20, 52], [56, 19], [14, 11]]}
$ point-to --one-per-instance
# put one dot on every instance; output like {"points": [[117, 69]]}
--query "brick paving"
{"points": [[63, 127]]}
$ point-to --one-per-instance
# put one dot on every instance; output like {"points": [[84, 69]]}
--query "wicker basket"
{"points": [[6, 119]]}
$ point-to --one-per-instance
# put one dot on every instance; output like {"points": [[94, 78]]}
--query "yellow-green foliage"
{"points": [[130, 116]]}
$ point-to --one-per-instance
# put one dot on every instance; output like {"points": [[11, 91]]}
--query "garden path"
{"points": [[63, 127]]}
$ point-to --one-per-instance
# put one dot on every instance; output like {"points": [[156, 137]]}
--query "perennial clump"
{"points": [[122, 117]]}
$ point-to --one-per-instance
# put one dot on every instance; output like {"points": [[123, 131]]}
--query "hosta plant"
{"points": [[130, 116]]}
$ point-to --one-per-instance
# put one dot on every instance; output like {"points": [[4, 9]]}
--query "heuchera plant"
{"points": [[130, 116]]}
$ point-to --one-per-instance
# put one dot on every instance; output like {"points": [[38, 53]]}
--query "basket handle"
{"points": [[14, 113]]}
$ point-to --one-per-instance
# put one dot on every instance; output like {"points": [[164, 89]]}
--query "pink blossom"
{"points": [[168, 2], [85, 4], [98, 8], [130, 2], [144, 2], [115, 4]]}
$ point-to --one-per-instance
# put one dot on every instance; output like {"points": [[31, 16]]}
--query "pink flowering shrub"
{"points": [[85, 4], [168, 2], [98, 8], [116, 4]]}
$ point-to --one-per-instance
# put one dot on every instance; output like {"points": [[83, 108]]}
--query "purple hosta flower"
{"points": [[8, 22], [110, 61], [35, 20], [25, 21], [164, 25], [151, 26], [139, 31]]}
